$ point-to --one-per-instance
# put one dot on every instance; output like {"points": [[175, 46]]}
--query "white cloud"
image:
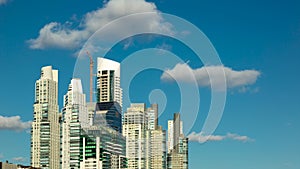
{"points": [[238, 137], [2, 2], [13, 123], [201, 137], [1, 155], [233, 78], [57, 35], [19, 159]]}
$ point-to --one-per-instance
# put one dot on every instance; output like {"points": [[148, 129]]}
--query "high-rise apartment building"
{"points": [[146, 141], [156, 149], [176, 128], [177, 145], [172, 131], [152, 113], [135, 125], [108, 81], [74, 118], [156, 140], [170, 136], [178, 157], [108, 109], [45, 140]]}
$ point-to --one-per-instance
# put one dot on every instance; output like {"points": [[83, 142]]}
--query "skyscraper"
{"points": [[155, 140], [178, 129], [170, 136], [102, 144], [74, 118], [109, 95], [135, 125], [45, 125], [146, 141], [178, 145], [156, 148], [102, 147], [152, 113], [108, 81], [178, 157]]}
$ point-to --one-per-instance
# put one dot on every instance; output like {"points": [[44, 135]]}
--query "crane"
{"points": [[91, 75]]}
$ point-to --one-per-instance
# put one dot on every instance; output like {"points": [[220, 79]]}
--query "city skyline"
{"points": [[99, 144], [257, 42]]}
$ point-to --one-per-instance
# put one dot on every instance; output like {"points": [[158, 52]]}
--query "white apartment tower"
{"points": [[74, 118], [172, 130], [156, 141], [108, 81], [145, 140], [45, 126], [152, 113], [170, 136], [177, 144], [157, 156], [134, 129]]}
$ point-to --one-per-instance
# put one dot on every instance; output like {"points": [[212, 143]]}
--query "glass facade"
{"points": [[108, 114], [105, 146]]}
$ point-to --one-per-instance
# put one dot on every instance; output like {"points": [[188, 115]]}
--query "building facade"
{"points": [[174, 131], [135, 125], [102, 148], [156, 149], [74, 118], [108, 114], [177, 157], [91, 107], [152, 113], [108, 81], [145, 140], [45, 126], [170, 136]]}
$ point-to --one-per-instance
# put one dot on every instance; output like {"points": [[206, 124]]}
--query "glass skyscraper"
{"points": [[74, 118]]}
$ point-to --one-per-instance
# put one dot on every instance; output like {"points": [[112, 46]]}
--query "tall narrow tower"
{"points": [[108, 81], [74, 118], [45, 125], [177, 144], [152, 113], [109, 95], [156, 156], [170, 135], [176, 128], [135, 125]]}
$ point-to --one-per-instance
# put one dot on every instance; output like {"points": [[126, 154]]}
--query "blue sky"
{"points": [[260, 125]]}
